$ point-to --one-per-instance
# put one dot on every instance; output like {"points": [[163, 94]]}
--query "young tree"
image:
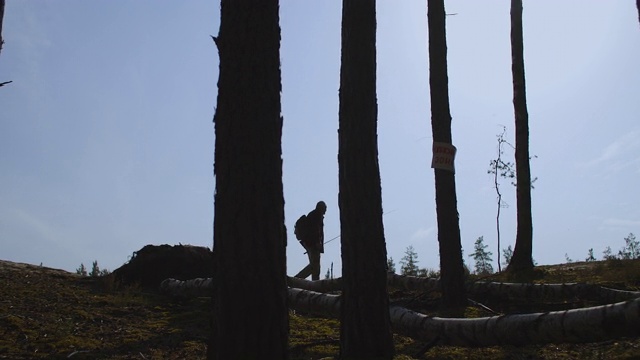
{"points": [[249, 232], [82, 270], [482, 257], [522, 254], [590, 256], [365, 326], [500, 169], [391, 265], [409, 262], [451, 264], [631, 250], [607, 254], [507, 254], [95, 270]]}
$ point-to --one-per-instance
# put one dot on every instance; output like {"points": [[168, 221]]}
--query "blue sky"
{"points": [[106, 138]]}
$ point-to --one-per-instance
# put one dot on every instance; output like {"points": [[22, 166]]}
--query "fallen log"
{"points": [[322, 286], [550, 291], [199, 287], [477, 289], [314, 302], [591, 324]]}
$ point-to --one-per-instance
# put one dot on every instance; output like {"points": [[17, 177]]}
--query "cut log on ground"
{"points": [[551, 291], [322, 286], [314, 302], [479, 289], [591, 324]]}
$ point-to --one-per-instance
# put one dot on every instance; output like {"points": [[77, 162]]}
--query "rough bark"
{"points": [[249, 233], [365, 329], [451, 264], [522, 254]]}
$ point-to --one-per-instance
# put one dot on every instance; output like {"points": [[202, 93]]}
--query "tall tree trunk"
{"points": [[365, 330], [522, 253], [249, 232], [638, 6], [451, 264]]}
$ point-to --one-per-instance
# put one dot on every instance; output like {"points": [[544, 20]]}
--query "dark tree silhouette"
{"points": [[638, 6], [365, 330], [522, 253], [451, 264], [249, 232], [1, 18]]}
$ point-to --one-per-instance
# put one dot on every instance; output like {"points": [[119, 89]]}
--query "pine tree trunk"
{"points": [[522, 253], [365, 329], [451, 264], [249, 233]]}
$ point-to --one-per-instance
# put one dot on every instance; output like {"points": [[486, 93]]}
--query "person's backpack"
{"points": [[301, 227]]}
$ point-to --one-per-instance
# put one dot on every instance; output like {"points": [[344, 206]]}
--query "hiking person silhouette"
{"points": [[309, 229]]}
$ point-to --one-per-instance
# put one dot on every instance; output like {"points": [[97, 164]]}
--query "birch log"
{"points": [[551, 291], [483, 289], [314, 302], [592, 324], [397, 281], [200, 287], [477, 289]]}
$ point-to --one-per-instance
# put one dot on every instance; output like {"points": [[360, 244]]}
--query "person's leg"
{"points": [[304, 273], [307, 270], [314, 262]]}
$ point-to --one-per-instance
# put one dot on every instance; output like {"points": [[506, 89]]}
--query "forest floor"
{"points": [[53, 314]]}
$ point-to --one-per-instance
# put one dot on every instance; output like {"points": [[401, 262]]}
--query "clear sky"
{"points": [[106, 133]]}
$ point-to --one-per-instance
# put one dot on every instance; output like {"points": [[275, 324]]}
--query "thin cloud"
{"points": [[618, 155], [621, 223], [44, 230], [422, 234]]}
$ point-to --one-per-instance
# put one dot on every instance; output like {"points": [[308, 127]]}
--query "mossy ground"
{"points": [[51, 314]]}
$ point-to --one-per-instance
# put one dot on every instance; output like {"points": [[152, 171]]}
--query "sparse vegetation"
{"points": [[391, 266], [409, 265], [48, 313], [409, 262], [95, 270], [84, 318], [630, 250], [567, 259]]}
